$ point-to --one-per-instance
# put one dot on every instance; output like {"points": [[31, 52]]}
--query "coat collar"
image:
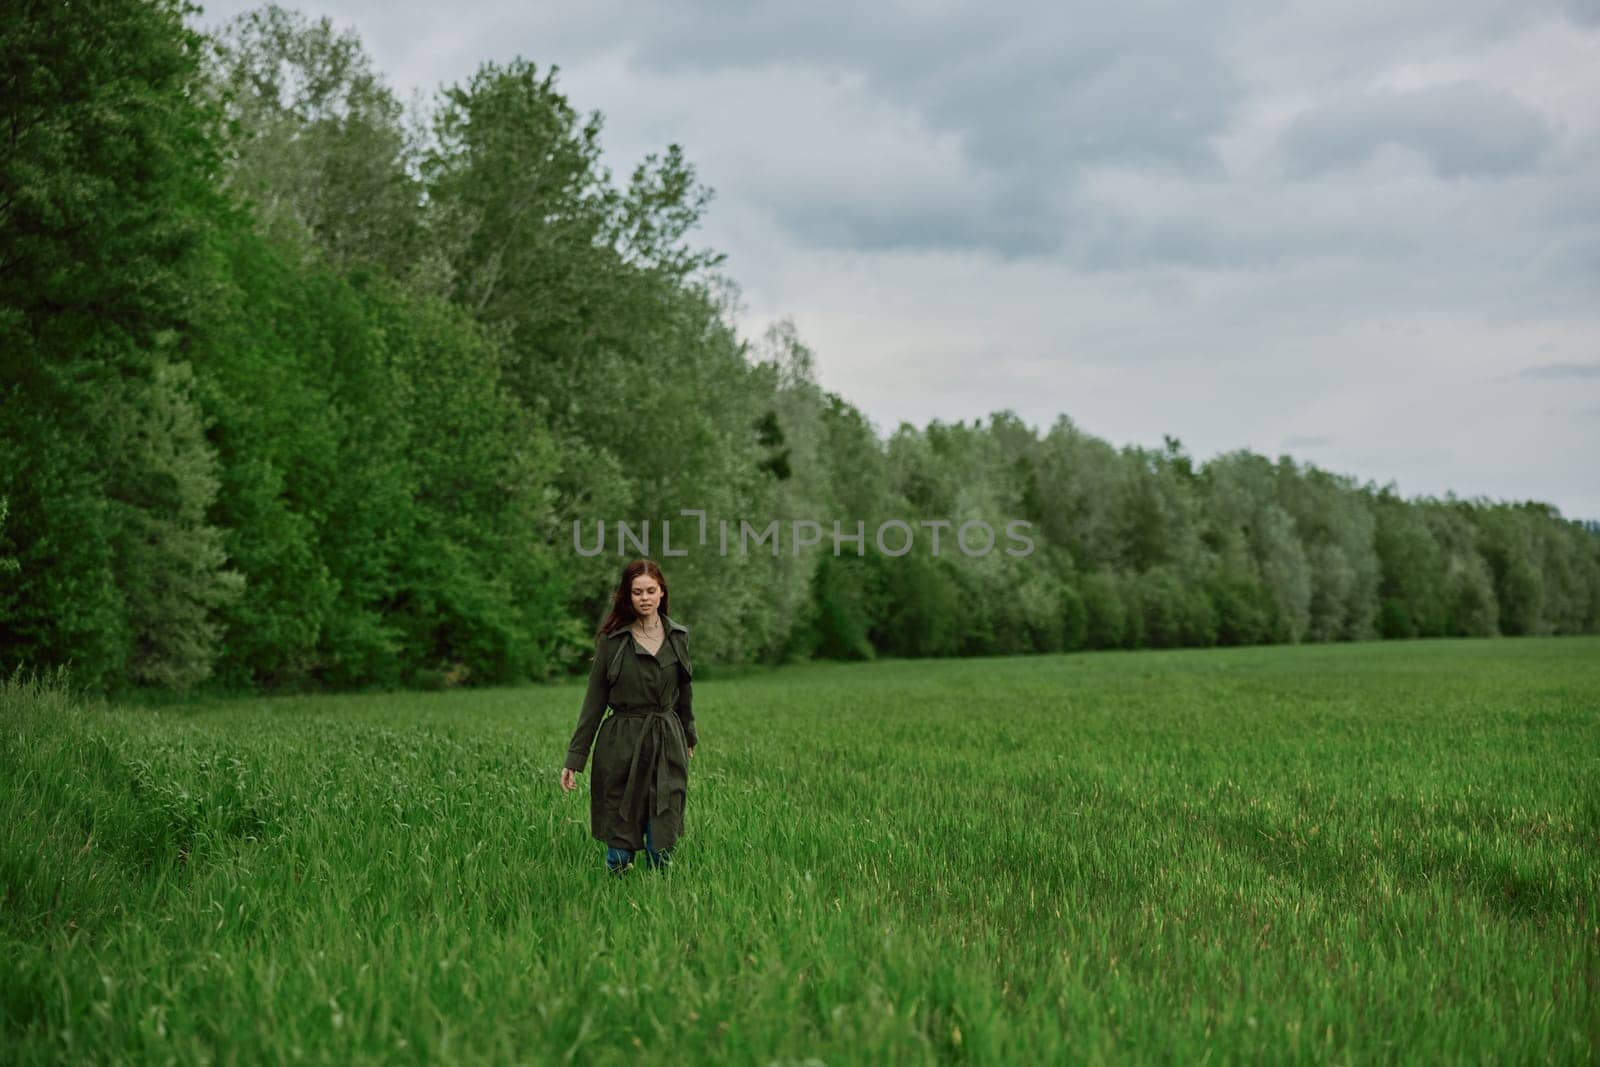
{"points": [[673, 626]]}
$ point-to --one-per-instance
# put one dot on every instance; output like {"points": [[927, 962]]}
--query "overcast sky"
{"points": [[1364, 233]]}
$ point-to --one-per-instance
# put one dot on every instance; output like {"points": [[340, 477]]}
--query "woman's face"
{"points": [[646, 595]]}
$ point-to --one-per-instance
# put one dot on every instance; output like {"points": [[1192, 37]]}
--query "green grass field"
{"points": [[1348, 853]]}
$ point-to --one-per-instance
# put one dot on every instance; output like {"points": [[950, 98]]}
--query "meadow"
{"points": [[1346, 853]]}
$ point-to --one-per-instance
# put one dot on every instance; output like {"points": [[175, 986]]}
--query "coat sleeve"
{"points": [[595, 699], [685, 706]]}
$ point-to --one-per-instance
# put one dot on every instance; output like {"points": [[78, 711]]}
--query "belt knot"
{"points": [[648, 767]]}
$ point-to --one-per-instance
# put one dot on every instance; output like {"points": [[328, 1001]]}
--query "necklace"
{"points": [[642, 632]]}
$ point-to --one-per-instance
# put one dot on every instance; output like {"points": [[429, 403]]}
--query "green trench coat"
{"points": [[641, 757]]}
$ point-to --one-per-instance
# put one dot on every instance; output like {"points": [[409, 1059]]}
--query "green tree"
{"points": [[8, 564], [1107, 611], [1335, 526], [1510, 546], [105, 188], [318, 145], [1414, 570], [521, 169], [1266, 578], [923, 608], [476, 587], [170, 562], [1471, 608]]}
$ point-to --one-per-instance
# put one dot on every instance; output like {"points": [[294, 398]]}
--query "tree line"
{"points": [[302, 388]]}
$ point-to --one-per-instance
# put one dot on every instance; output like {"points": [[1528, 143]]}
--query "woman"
{"points": [[641, 754]]}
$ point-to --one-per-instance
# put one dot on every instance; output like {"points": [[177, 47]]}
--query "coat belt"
{"points": [[649, 750]]}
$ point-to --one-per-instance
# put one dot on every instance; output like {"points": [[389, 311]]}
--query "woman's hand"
{"points": [[569, 781], [691, 752]]}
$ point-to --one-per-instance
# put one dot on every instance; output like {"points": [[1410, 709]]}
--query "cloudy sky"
{"points": [[1363, 233]]}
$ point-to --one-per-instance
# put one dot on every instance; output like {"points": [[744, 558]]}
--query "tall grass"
{"points": [[1347, 853]]}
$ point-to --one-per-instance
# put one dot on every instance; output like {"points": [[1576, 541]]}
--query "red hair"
{"points": [[622, 613]]}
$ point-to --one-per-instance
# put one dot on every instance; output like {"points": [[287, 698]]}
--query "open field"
{"points": [[1347, 853]]}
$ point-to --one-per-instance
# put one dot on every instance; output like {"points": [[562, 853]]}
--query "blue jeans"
{"points": [[619, 859]]}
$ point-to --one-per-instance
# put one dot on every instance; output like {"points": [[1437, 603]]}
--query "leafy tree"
{"points": [[1414, 570], [612, 335], [840, 614], [387, 507], [923, 608], [522, 170], [1335, 526], [104, 191], [170, 562], [1470, 606], [1074, 617], [318, 147], [476, 588], [1510, 547], [1107, 623], [1263, 561], [8, 564]]}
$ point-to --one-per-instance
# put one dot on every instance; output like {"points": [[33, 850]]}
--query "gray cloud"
{"points": [[1462, 129], [1584, 12], [1026, 85], [1563, 371], [1032, 95], [872, 224]]}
